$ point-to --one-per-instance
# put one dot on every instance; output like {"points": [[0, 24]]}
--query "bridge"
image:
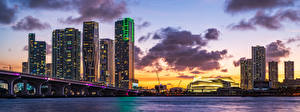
{"points": [[48, 87]]}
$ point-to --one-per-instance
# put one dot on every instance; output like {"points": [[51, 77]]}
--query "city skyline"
{"points": [[172, 71]]}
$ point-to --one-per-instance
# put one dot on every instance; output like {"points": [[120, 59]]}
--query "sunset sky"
{"points": [[179, 38]]}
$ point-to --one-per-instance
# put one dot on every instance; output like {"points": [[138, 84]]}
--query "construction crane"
{"points": [[179, 83], [158, 78]]}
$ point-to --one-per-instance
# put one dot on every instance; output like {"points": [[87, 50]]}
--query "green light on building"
{"points": [[126, 28]]}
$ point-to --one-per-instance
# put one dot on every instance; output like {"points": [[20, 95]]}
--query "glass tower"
{"points": [[66, 53], [90, 51], [124, 53], [36, 56], [107, 61]]}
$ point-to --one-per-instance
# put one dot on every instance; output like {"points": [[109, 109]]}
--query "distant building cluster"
{"points": [[106, 61], [253, 72]]}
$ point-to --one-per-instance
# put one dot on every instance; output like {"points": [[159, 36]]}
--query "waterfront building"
{"points": [[49, 70], [210, 84], [288, 70], [36, 55], [124, 53], [90, 51], [107, 66], [66, 53], [273, 74], [246, 78], [258, 63]]}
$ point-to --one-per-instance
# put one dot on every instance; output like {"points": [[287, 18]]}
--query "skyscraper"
{"points": [[66, 53], [288, 70], [24, 67], [259, 63], [124, 53], [90, 51], [273, 74], [107, 61], [246, 74], [49, 69], [36, 55]]}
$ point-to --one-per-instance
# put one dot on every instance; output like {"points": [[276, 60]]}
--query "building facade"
{"points": [[107, 61], [259, 63], [288, 70], [124, 53], [246, 74], [90, 51], [49, 69], [25, 67], [273, 74], [36, 55], [66, 53]]}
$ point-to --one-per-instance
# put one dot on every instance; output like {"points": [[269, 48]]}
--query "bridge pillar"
{"points": [[25, 87], [11, 87], [49, 90], [39, 89]]}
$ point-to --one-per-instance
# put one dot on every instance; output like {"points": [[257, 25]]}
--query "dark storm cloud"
{"points": [[137, 53], [212, 34], [183, 50], [30, 23], [234, 6], [7, 14], [103, 10], [276, 50], [237, 63], [271, 22], [224, 70]]}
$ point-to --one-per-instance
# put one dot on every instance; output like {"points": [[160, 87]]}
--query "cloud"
{"points": [[47, 4], [212, 34], [30, 23], [237, 63], [235, 6], [196, 72], [268, 21], [7, 14], [181, 75], [144, 38], [143, 25], [137, 53], [292, 40], [182, 50], [276, 50], [224, 70], [102, 10]]}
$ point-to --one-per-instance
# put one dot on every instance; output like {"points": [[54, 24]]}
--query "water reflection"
{"points": [[150, 104]]}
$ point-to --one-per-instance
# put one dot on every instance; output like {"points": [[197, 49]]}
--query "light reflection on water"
{"points": [[136, 104]]}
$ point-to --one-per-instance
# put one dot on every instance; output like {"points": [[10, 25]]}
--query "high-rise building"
{"points": [[24, 67], [107, 61], [288, 70], [273, 74], [246, 74], [36, 56], [259, 63], [66, 53], [49, 69], [124, 53], [90, 51]]}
